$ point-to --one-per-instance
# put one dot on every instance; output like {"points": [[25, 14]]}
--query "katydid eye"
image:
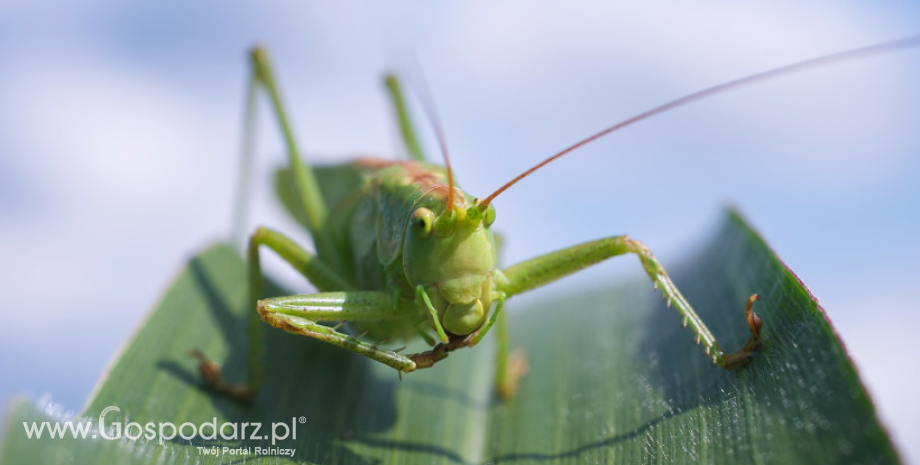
{"points": [[489, 217], [423, 219]]}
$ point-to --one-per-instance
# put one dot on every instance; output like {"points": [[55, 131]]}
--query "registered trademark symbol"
{"points": [[302, 419]]}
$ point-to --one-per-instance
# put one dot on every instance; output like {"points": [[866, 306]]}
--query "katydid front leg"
{"points": [[317, 272], [510, 367], [300, 314], [552, 266]]}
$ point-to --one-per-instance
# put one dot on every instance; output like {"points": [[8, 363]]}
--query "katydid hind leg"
{"points": [[406, 129], [304, 180], [546, 268]]}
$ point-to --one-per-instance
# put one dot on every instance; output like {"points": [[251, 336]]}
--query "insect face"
{"points": [[451, 253]]}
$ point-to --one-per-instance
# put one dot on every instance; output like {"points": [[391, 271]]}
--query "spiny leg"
{"points": [[317, 272], [547, 268], [402, 115], [299, 314]]}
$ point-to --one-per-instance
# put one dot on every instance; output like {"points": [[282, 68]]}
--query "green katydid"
{"points": [[402, 252]]}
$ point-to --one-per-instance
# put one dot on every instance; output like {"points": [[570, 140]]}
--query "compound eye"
{"points": [[422, 220], [489, 217]]}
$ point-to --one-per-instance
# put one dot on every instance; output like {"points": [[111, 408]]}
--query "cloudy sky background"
{"points": [[120, 123]]}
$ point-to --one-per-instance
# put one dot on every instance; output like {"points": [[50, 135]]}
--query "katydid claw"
{"points": [[743, 355], [437, 353], [754, 320], [210, 372]]}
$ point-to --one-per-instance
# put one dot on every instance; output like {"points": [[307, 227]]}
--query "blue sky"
{"points": [[120, 123]]}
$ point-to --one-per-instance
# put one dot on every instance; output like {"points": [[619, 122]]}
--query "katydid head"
{"points": [[451, 253]]}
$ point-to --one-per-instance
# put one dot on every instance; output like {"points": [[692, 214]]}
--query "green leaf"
{"points": [[613, 379]]}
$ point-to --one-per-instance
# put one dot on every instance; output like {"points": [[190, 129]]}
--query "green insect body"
{"points": [[395, 233], [402, 252]]}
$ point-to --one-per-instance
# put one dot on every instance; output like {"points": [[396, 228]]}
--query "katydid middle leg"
{"points": [[552, 266]]}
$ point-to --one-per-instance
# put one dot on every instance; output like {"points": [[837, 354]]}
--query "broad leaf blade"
{"points": [[613, 378], [627, 384]]}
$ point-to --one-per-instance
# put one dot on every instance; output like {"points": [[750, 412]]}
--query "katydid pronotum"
{"points": [[402, 252]]}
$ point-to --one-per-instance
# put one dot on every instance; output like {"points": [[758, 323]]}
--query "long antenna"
{"points": [[847, 55], [432, 113]]}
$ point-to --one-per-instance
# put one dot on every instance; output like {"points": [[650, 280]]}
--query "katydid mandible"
{"points": [[407, 253]]}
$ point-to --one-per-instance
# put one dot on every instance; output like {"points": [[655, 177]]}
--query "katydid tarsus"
{"points": [[402, 252]]}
